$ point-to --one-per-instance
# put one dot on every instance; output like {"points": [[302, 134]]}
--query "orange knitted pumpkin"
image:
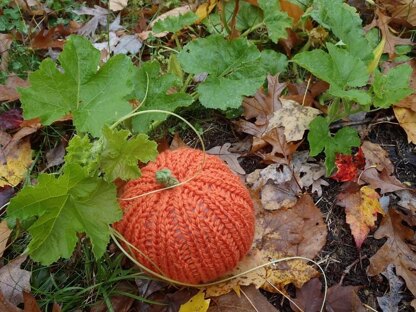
{"points": [[195, 232]]}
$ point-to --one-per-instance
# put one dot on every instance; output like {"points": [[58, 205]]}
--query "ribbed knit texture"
{"points": [[195, 232]]}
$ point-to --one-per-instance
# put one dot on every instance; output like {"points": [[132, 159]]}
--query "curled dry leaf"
{"points": [[390, 301], [14, 280], [230, 158], [297, 231], [277, 185], [361, 208], [397, 250], [401, 9], [294, 118], [407, 200]]}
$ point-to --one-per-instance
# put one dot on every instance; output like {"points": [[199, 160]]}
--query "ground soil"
{"points": [[341, 260]]}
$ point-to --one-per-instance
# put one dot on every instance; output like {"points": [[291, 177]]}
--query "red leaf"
{"points": [[348, 166]]}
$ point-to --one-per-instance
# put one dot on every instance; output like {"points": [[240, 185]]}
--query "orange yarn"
{"points": [[195, 232]]}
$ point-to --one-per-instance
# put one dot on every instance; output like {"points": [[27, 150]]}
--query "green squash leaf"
{"points": [[337, 67], [234, 70], [276, 20], [148, 80], [274, 62], [121, 154], [345, 23], [392, 87], [94, 98], [64, 206], [81, 151], [174, 23], [320, 139]]}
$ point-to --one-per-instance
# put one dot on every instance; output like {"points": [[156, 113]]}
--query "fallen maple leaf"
{"points": [[14, 280], [197, 303], [53, 37], [99, 17], [397, 250], [361, 209], [230, 158], [348, 166]]}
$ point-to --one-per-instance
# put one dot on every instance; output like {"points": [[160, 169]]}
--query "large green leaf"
{"points": [[64, 206], [120, 155], [234, 69], [337, 67], [175, 23], [345, 23], [93, 97], [392, 87], [320, 139], [276, 20], [158, 92]]}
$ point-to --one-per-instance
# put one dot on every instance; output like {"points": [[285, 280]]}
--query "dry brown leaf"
{"points": [[407, 120], [339, 298], [204, 9], [382, 22], [294, 118], [8, 92], [361, 208], [14, 280], [396, 250], [378, 171], [15, 156], [30, 304], [230, 158], [53, 37], [277, 186], [5, 44], [401, 9], [6, 306], [376, 156], [407, 200], [4, 236], [251, 301], [119, 303], [297, 231]]}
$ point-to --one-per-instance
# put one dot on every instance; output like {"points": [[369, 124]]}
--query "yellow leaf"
{"points": [[197, 303], [378, 51], [204, 9], [407, 120], [17, 162]]}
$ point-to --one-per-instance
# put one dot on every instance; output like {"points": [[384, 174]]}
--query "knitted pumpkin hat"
{"points": [[192, 233]]}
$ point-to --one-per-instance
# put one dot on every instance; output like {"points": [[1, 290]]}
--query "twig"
{"points": [[348, 268], [341, 124]]}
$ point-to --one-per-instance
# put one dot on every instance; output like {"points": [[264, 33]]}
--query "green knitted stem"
{"points": [[165, 177]]}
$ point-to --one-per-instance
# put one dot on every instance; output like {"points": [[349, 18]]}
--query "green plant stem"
{"points": [[187, 82], [251, 29], [224, 18]]}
